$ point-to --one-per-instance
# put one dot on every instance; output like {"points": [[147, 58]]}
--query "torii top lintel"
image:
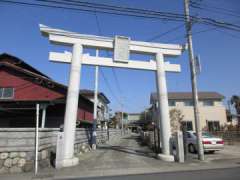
{"points": [[59, 36]]}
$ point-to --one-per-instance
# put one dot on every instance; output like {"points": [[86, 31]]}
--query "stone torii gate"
{"points": [[122, 47]]}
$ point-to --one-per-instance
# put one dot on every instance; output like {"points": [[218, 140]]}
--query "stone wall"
{"points": [[17, 146]]}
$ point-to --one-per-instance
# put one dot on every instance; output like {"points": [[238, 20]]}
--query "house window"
{"points": [[187, 125], [188, 103], [172, 103], [208, 103], [213, 125], [6, 93]]}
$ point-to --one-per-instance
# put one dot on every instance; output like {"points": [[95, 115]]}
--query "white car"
{"points": [[210, 143]]}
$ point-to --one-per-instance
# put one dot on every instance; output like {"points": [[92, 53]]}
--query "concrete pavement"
{"points": [[128, 156]]}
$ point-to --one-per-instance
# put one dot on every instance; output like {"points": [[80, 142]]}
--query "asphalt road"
{"points": [[214, 174]]}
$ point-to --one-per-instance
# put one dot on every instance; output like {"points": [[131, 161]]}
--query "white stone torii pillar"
{"points": [[72, 107], [76, 58], [163, 109]]}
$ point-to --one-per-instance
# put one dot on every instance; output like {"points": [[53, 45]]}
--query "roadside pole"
{"points": [[36, 140], [94, 133], [122, 118], [194, 81], [145, 115], [158, 121]]}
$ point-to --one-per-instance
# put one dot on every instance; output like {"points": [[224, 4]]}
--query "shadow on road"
{"points": [[145, 151]]}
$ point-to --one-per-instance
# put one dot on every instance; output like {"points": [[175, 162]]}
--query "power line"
{"points": [[115, 8], [203, 31], [161, 15], [167, 32], [99, 29], [114, 73], [228, 33], [176, 38], [109, 87], [93, 9], [131, 12], [117, 81], [113, 70], [213, 9], [216, 29], [144, 11], [135, 10]]}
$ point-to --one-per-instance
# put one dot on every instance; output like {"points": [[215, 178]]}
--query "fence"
{"points": [[228, 136]]}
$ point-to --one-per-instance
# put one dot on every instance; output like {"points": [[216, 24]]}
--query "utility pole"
{"points": [[194, 81], [94, 133], [36, 140], [145, 115], [122, 117]]}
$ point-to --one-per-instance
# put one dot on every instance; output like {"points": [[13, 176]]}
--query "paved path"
{"points": [[124, 157], [129, 156], [127, 153]]}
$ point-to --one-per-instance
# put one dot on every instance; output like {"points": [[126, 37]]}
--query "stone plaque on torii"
{"points": [[122, 47]]}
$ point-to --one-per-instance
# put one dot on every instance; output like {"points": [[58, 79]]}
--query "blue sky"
{"points": [[219, 50]]}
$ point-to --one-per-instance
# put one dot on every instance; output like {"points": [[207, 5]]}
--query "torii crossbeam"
{"points": [[122, 47]]}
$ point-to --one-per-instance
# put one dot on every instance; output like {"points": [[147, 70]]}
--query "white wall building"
{"points": [[133, 118], [102, 106], [212, 110]]}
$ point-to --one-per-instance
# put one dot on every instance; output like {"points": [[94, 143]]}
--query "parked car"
{"points": [[210, 142]]}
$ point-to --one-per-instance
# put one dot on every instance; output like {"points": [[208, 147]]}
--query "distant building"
{"points": [[102, 107], [212, 110], [22, 87], [133, 118]]}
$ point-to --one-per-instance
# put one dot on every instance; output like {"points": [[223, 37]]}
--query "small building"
{"points": [[119, 120], [22, 87], [133, 118], [102, 106], [134, 121], [212, 111]]}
